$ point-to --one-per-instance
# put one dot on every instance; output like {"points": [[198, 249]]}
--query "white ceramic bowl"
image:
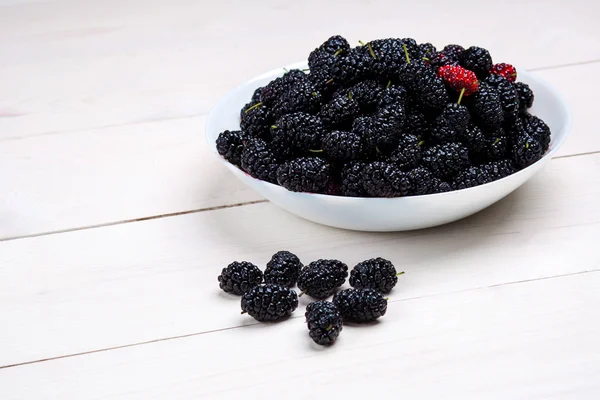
{"points": [[390, 214]]}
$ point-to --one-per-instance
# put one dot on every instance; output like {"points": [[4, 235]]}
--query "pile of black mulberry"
{"points": [[268, 296], [388, 118]]}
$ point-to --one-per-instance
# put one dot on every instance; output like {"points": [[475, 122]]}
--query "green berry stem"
{"points": [[315, 151], [350, 95], [371, 50], [243, 312], [253, 107], [406, 53], [496, 141], [273, 126], [389, 84], [462, 92], [337, 53], [400, 273], [421, 143], [329, 81]]}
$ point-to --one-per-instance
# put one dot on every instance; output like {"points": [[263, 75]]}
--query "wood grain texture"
{"points": [[529, 340], [75, 179], [123, 284], [67, 65]]}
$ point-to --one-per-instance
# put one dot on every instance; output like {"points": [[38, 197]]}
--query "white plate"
{"points": [[390, 214]]}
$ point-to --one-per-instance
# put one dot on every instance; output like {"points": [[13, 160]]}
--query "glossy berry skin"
{"points": [[381, 179], [509, 98], [482, 174], [239, 277], [324, 322], [526, 150], [230, 145], [407, 154], [487, 106], [340, 109], [453, 51], [422, 181], [283, 269], [304, 174], [321, 278], [538, 130], [269, 302], [446, 160], [296, 132], [351, 179], [376, 273], [343, 146], [255, 120], [526, 96], [459, 78], [360, 305], [478, 60], [259, 161], [505, 70]]}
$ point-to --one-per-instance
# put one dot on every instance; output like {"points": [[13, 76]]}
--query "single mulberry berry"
{"points": [[324, 322], [388, 55], [478, 60], [459, 79], [429, 89], [255, 120], [379, 132], [426, 50], [351, 179], [275, 89], [447, 159], [475, 140], [439, 59], [343, 146], [381, 179], [297, 132], [538, 129], [352, 66], [259, 161], [304, 174], [321, 278], [376, 273], [339, 109], [421, 180], [509, 97], [525, 96], [453, 51], [498, 148], [367, 94], [407, 154], [334, 45], [360, 305], [239, 277], [269, 303], [301, 96], [487, 106], [393, 96], [416, 122], [283, 269], [505, 70], [230, 145], [526, 150]]}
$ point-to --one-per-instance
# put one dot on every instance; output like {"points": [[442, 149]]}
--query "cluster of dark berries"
{"points": [[388, 118], [268, 296]]}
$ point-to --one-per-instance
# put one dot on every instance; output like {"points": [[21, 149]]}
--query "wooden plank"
{"points": [[530, 340], [69, 65], [99, 288], [78, 179], [578, 85]]}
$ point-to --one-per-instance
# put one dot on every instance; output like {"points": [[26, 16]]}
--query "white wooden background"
{"points": [[115, 219]]}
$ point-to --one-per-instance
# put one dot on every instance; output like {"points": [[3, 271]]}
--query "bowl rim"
{"points": [[566, 128]]}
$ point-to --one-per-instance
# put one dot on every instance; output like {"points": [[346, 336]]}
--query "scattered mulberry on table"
{"points": [[324, 322], [360, 305], [283, 269], [376, 273], [239, 277], [269, 302], [321, 278]]}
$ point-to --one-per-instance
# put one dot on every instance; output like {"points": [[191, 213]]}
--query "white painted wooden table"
{"points": [[115, 219]]}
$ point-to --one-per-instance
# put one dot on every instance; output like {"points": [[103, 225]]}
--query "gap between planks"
{"points": [[83, 353], [185, 212]]}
